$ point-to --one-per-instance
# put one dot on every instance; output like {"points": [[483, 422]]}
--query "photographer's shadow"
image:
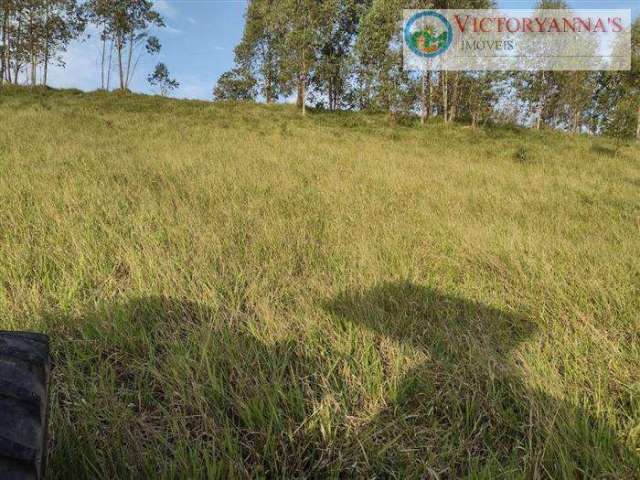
{"points": [[152, 384], [466, 410], [149, 384]]}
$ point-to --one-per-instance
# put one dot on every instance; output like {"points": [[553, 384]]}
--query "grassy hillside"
{"points": [[234, 291]]}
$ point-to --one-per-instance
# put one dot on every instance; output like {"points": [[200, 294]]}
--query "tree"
{"points": [[335, 64], [127, 24], [300, 46], [576, 91], [5, 13], [379, 52], [64, 21], [384, 83], [348, 54], [540, 90], [616, 109], [160, 78], [235, 85], [34, 33], [100, 14], [302, 22], [14, 47], [258, 55]]}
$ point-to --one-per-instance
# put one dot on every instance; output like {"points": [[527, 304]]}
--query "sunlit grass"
{"points": [[233, 291]]}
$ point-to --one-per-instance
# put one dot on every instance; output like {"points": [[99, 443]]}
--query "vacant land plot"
{"points": [[232, 291]]}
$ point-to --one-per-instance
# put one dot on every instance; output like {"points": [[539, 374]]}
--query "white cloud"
{"points": [[166, 9], [191, 20], [172, 30]]}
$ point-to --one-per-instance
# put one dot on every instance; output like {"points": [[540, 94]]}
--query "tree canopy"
{"points": [[347, 54]]}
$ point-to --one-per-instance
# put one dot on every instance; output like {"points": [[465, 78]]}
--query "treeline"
{"points": [[35, 33], [347, 54]]}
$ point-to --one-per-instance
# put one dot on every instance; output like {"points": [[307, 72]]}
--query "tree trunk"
{"points": [[17, 41], [16, 72], [32, 50], [539, 111], [7, 60], [541, 102], [367, 90], [423, 99], [454, 98], [47, 32], [445, 96], [5, 43], [269, 88], [304, 95], [429, 95], [304, 103], [45, 65], [119, 47], [34, 70], [7, 66], [45, 72], [299, 99], [102, 59], [129, 56], [7, 53], [109, 65]]}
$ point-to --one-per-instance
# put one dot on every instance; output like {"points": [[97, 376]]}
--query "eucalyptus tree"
{"points": [[379, 52], [298, 47], [540, 90], [336, 64], [20, 30], [35, 33], [5, 14], [616, 109], [127, 23], [348, 54], [259, 53], [236, 85], [384, 82], [100, 14], [478, 94], [628, 108], [302, 23], [16, 50], [32, 11], [64, 21], [162, 79]]}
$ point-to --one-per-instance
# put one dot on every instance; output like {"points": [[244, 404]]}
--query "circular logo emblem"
{"points": [[428, 34]]}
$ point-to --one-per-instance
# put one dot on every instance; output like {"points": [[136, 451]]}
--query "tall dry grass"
{"points": [[234, 291]]}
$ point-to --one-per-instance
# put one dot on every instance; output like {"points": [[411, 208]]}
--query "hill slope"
{"points": [[232, 290]]}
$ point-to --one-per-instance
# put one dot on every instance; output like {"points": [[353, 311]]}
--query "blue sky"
{"points": [[198, 42]]}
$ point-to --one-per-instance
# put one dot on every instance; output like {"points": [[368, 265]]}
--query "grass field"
{"points": [[233, 291]]}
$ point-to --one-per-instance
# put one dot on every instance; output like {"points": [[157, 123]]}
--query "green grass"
{"points": [[234, 291]]}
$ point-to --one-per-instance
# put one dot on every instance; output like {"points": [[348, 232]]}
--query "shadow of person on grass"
{"points": [[159, 387], [465, 411]]}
